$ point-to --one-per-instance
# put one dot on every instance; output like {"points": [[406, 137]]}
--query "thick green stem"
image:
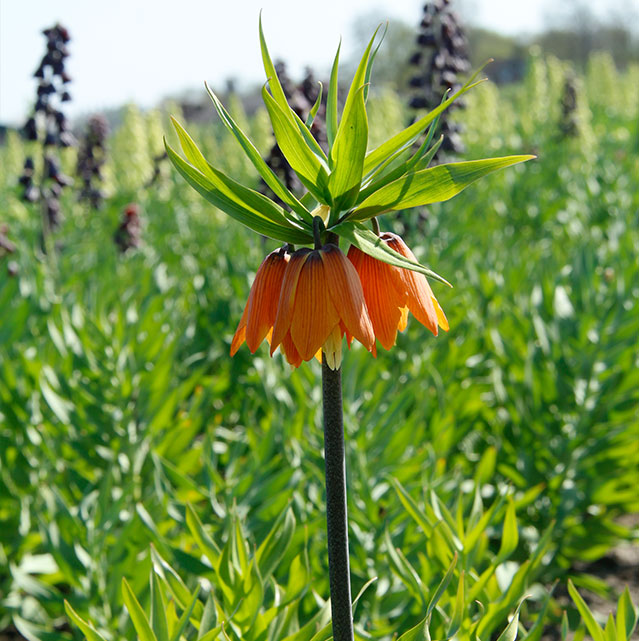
{"points": [[336, 517]]}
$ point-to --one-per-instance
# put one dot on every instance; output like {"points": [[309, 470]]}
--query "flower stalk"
{"points": [[336, 513]]}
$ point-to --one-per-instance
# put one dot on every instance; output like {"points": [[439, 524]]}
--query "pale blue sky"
{"points": [[142, 50]]}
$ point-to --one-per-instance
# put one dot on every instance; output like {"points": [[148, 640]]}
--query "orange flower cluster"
{"points": [[306, 301]]}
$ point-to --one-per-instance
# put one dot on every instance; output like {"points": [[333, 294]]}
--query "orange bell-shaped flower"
{"points": [[259, 314], [391, 292], [321, 299]]}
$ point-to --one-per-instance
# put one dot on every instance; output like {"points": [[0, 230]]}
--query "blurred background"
{"points": [[146, 52]]}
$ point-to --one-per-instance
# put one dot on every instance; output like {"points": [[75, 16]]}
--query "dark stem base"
{"points": [[336, 517]]}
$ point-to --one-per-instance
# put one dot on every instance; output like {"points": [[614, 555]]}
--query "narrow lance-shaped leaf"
{"points": [[315, 108], [433, 185], [416, 163], [243, 196], [347, 155], [253, 221], [272, 549], [441, 588], [138, 617], [331, 102], [269, 68], [304, 162], [593, 627], [509, 535], [280, 98], [349, 149], [418, 633], [458, 612], [510, 633], [626, 616], [207, 545], [184, 619], [88, 630], [368, 242], [269, 176], [159, 622], [408, 135], [369, 64]]}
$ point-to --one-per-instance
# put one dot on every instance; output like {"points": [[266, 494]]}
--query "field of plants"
{"points": [[153, 487]]}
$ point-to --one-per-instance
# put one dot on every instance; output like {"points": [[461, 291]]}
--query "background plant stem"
{"points": [[336, 517]]}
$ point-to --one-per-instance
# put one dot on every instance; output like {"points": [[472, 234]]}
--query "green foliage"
{"points": [[483, 465]]}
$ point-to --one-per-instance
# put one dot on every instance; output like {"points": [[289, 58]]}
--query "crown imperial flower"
{"points": [[306, 301]]}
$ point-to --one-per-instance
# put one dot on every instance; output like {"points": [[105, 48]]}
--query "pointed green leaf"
{"points": [[458, 612], [430, 185], [241, 195], [206, 544], [209, 617], [537, 629], [509, 535], [212, 635], [252, 596], [298, 579], [412, 508], [418, 633], [367, 241], [626, 616], [171, 578], [564, 627], [279, 98], [510, 633], [361, 592], [610, 631], [239, 546], [369, 65], [271, 74], [269, 176], [410, 134], [159, 624], [184, 619], [417, 163], [274, 546], [593, 627], [300, 156], [331, 101], [315, 108], [441, 588], [88, 630], [251, 219], [138, 617], [347, 154], [404, 569], [349, 149]]}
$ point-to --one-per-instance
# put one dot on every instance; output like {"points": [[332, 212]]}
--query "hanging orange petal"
{"points": [[383, 300], [264, 296], [347, 295], [240, 332], [314, 315], [287, 297], [419, 292], [290, 351]]}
